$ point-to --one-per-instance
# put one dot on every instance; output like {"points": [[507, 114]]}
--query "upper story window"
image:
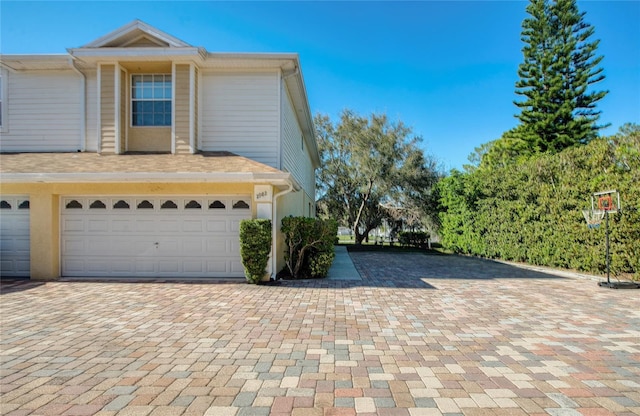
{"points": [[151, 100]]}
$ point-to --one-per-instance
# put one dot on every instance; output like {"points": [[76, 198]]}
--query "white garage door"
{"points": [[152, 237], [14, 237]]}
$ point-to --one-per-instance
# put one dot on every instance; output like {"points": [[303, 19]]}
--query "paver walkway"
{"points": [[416, 335]]}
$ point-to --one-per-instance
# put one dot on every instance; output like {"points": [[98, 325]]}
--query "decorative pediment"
{"points": [[137, 34]]}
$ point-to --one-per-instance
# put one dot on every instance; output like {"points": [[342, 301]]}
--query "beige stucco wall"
{"points": [[45, 210]]}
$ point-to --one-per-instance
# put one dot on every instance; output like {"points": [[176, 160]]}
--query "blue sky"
{"points": [[446, 68]]}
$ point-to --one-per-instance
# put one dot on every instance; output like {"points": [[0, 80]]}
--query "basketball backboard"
{"points": [[608, 201]]}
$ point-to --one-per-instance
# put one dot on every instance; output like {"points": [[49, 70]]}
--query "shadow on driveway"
{"points": [[11, 285], [421, 270]]}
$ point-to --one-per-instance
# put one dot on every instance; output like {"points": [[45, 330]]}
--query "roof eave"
{"points": [[276, 178], [146, 53]]}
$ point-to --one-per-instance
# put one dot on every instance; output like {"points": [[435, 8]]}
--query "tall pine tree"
{"points": [[560, 63]]}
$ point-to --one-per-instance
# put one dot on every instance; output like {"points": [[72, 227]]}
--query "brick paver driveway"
{"points": [[418, 335]]}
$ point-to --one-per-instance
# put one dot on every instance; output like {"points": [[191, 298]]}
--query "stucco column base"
{"points": [[45, 230]]}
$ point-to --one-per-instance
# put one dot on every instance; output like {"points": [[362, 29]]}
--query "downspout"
{"points": [[289, 189], [83, 104]]}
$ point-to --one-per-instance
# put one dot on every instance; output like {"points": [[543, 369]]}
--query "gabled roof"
{"points": [[137, 32]]}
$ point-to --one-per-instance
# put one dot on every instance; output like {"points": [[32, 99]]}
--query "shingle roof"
{"points": [[209, 167], [63, 163]]}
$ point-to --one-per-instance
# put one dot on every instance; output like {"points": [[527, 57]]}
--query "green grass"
{"points": [[350, 243]]}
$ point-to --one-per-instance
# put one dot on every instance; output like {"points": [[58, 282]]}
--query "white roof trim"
{"points": [[128, 53], [277, 179], [137, 25]]}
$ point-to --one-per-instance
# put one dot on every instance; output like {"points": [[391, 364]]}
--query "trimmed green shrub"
{"points": [[530, 211], [309, 246], [255, 246]]}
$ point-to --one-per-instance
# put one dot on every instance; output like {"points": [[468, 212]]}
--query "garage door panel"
{"points": [[5, 263], [72, 265], [70, 225], [23, 267], [168, 225], [98, 225], [193, 247], [15, 226], [193, 267], [10, 245], [121, 225], [122, 266], [168, 247], [216, 248], [193, 226], [131, 241], [143, 248], [217, 226], [168, 266], [216, 266], [102, 246], [144, 225], [22, 245], [73, 246], [144, 266], [98, 266], [127, 246], [15, 238]]}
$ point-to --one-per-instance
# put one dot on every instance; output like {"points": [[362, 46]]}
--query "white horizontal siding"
{"points": [[44, 112], [240, 113], [295, 156]]}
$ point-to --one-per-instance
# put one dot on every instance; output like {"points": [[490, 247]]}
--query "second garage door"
{"points": [[15, 249], [152, 237]]}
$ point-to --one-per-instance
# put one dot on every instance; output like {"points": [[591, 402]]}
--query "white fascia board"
{"points": [[283, 178], [137, 53], [254, 55], [283, 61]]}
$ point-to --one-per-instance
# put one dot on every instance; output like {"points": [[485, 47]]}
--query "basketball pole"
{"points": [[606, 233]]}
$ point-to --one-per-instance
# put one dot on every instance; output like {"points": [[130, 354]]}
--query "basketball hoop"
{"points": [[602, 204], [593, 216]]}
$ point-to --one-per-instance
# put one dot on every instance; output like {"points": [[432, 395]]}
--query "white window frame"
{"points": [[133, 100], [4, 122]]}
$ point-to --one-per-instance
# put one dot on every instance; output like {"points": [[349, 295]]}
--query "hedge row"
{"points": [[531, 211], [418, 239]]}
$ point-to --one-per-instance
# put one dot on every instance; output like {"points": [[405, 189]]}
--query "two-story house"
{"points": [[138, 154]]}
